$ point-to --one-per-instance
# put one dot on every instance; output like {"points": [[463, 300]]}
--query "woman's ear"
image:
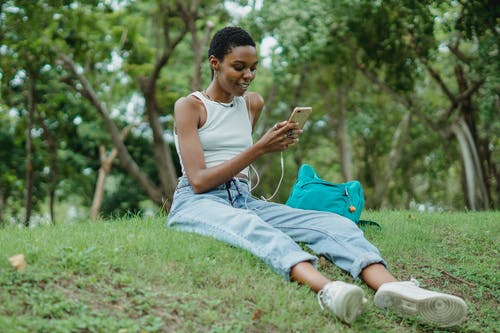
{"points": [[214, 62]]}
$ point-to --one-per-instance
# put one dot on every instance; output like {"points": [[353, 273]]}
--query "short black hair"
{"points": [[227, 38]]}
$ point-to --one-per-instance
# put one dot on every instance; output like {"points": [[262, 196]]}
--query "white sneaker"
{"points": [[433, 307], [345, 300]]}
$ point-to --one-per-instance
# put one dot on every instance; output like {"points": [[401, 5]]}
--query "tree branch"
{"points": [[170, 45], [456, 51], [463, 96], [381, 85], [435, 75], [125, 158], [406, 102]]}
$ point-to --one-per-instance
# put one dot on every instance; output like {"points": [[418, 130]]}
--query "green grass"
{"points": [[135, 275]]}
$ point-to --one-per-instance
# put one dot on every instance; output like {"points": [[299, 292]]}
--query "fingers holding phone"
{"points": [[286, 133], [299, 117], [280, 136]]}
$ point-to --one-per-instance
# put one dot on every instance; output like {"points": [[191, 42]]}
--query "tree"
{"points": [[418, 36], [389, 43], [386, 80], [31, 87], [22, 65], [173, 19], [320, 51]]}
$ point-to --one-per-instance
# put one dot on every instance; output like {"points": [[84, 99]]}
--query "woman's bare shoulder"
{"points": [[255, 103], [189, 110], [188, 102], [254, 98]]}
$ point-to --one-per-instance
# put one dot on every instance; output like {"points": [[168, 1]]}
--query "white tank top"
{"points": [[226, 133]]}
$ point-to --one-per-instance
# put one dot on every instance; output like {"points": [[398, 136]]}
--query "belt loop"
{"points": [[228, 189], [236, 185]]}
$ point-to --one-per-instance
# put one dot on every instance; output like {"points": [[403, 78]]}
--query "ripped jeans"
{"points": [[270, 230]]}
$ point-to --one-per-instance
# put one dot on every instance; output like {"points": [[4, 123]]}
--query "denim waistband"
{"points": [[184, 181]]}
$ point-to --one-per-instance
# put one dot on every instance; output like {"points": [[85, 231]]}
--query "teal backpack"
{"points": [[312, 192]]}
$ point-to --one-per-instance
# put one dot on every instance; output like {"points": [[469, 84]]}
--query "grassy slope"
{"points": [[138, 276]]}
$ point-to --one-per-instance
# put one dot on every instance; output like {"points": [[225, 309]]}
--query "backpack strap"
{"points": [[362, 224]]}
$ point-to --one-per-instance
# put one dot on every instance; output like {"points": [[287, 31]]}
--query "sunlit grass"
{"points": [[135, 275]]}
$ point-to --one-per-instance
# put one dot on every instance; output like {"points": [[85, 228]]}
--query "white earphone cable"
{"points": [[282, 162]]}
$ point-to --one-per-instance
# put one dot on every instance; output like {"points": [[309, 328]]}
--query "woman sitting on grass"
{"points": [[213, 135]]}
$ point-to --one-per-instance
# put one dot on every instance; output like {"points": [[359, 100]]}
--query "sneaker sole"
{"points": [[352, 305], [442, 310]]}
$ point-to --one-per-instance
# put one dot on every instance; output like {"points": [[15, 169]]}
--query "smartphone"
{"points": [[300, 115]]}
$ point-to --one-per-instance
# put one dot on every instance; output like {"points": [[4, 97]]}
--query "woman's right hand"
{"points": [[279, 137]]}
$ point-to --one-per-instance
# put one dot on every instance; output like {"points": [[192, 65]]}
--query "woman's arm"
{"points": [[255, 104], [188, 112]]}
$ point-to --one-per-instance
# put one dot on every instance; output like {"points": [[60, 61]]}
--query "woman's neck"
{"points": [[216, 95]]}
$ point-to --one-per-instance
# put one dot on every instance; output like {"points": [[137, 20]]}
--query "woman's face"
{"points": [[235, 73]]}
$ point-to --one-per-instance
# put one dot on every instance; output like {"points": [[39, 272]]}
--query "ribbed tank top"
{"points": [[226, 133]]}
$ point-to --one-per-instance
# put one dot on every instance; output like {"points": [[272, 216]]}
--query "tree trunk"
{"points": [[106, 163], [337, 120], [104, 170], [399, 140], [163, 155], [53, 180], [477, 195], [164, 162], [29, 177], [99, 189], [2, 205], [196, 82], [342, 136], [469, 125], [410, 194], [494, 169], [477, 190], [53, 166]]}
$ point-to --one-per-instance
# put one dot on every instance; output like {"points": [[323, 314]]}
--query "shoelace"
{"points": [[320, 301], [320, 296], [415, 282]]}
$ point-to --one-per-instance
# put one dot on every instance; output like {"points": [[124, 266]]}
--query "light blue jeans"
{"points": [[270, 230]]}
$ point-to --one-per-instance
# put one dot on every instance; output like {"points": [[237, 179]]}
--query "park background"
{"points": [[405, 98]]}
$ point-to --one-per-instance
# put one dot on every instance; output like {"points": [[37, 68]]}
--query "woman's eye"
{"points": [[240, 69]]}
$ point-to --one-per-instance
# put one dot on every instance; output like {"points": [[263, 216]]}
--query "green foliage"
{"points": [[319, 49], [478, 17], [395, 41], [387, 31]]}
